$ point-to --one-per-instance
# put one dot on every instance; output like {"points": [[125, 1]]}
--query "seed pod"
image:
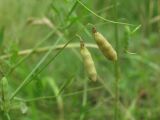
{"points": [[88, 62], [104, 46]]}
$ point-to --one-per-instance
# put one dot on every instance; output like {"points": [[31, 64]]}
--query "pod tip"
{"points": [[81, 44], [94, 30]]}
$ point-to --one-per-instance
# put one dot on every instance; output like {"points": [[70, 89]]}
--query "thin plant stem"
{"points": [[35, 71], [84, 100], [59, 99], [52, 97], [72, 9], [45, 49], [65, 85], [30, 75], [102, 18], [102, 10], [32, 51], [116, 112]]}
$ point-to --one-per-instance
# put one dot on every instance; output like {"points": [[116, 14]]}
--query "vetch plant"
{"points": [[64, 28]]}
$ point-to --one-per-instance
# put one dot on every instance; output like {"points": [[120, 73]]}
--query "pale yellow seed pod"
{"points": [[88, 62], [106, 48]]}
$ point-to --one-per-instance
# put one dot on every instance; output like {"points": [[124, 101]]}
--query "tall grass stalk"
{"points": [[36, 71], [116, 66], [32, 51], [63, 95], [84, 100], [59, 99]]}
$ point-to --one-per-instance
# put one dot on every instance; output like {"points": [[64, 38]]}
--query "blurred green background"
{"points": [[38, 24]]}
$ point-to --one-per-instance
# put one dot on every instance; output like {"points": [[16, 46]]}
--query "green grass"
{"points": [[40, 59]]}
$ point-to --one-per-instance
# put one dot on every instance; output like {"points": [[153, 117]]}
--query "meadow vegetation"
{"points": [[42, 72]]}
